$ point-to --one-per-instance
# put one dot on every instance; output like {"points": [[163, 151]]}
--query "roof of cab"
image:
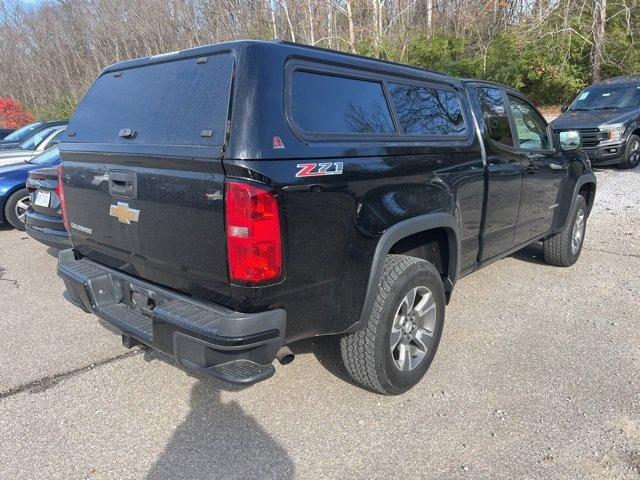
{"points": [[490, 84], [292, 48]]}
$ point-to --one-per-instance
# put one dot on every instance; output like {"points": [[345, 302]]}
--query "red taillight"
{"points": [[33, 177], [254, 243], [63, 202]]}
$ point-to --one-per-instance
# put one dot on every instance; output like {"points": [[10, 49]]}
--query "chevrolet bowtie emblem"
{"points": [[123, 213]]}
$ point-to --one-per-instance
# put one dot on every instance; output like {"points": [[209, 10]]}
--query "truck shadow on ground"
{"points": [[217, 439], [531, 254], [327, 352]]}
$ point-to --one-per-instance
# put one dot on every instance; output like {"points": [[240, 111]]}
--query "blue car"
{"points": [[14, 197]]}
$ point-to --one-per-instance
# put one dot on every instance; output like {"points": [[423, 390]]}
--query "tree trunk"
{"points": [[312, 32], [352, 32], [274, 27], [292, 32], [597, 50]]}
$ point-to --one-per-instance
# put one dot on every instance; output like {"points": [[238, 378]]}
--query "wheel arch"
{"points": [[588, 191], [430, 245], [4, 198], [585, 185], [441, 228]]}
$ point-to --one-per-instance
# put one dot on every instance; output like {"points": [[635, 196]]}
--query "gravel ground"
{"points": [[537, 377]]}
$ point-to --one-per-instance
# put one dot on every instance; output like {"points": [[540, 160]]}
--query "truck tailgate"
{"points": [[143, 176]]}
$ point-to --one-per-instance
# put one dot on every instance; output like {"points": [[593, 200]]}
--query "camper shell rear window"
{"points": [[174, 102]]}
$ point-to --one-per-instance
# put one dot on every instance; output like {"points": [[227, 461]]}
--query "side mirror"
{"points": [[570, 140], [564, 108]]}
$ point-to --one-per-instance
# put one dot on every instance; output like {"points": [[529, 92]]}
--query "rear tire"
{"points": [[563, 249], [632, 153], [16, 208], [395, 348]]}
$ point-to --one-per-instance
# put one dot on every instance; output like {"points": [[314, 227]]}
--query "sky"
{"points": [[30, 3]]}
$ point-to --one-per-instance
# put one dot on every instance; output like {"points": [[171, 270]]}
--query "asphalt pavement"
{"points": [[537, 376]]}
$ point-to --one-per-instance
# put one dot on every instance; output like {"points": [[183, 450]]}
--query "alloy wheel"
{"points": [[413, 329], [578, 231], [21, 208], [634, 153]]}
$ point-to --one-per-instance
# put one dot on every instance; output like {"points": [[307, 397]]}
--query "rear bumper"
{"points": [[47, 230], [213, 339]]}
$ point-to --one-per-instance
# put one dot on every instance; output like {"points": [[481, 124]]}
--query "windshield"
{"points": [[22, 133], [48, 157], [33, 141], [602, 97]]}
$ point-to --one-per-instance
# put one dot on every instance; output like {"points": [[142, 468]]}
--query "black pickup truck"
{"points": [[607, 115], [228, 200]]}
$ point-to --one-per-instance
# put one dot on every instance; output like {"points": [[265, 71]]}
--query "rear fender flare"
{"points": [[402, 230]]}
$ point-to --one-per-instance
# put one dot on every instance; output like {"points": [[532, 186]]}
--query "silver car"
{"points": [[32, 146]]}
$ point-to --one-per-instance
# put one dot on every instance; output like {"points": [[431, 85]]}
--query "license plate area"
{"points": [[42, 198]]}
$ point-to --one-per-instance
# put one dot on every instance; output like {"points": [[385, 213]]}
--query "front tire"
{"points": [[632, 153], [395, 348], [16, 208], [563, 249]]}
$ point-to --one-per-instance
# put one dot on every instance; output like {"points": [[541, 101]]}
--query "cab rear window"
{"points": [[327, 104], [180, 102]]}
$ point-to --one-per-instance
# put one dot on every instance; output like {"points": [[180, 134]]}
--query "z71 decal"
{"points": [[319, 169]]}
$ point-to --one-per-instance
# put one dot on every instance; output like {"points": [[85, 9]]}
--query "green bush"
{"points": [[443, 53], [548, 76], [58, 109]]}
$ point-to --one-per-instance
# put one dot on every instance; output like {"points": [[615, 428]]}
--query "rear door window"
{"points": [[427, 111], [177, 102], [327, 104], [494, 112]]}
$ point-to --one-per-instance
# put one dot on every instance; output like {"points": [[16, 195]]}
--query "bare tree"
{"points": [[598, 33], [56, 48]]}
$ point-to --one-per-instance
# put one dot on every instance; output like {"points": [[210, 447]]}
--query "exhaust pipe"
{"points": [[285, 356]]}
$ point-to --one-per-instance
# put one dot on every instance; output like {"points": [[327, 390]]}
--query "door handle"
{"points": [[531, 169], [123, 184]]}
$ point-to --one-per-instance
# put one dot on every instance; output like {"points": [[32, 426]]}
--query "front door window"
{"points": [[530, 126]]}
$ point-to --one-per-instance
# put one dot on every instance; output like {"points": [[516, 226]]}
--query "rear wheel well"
{"points": [[588, 191], [430, 245], [3, 204]]}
